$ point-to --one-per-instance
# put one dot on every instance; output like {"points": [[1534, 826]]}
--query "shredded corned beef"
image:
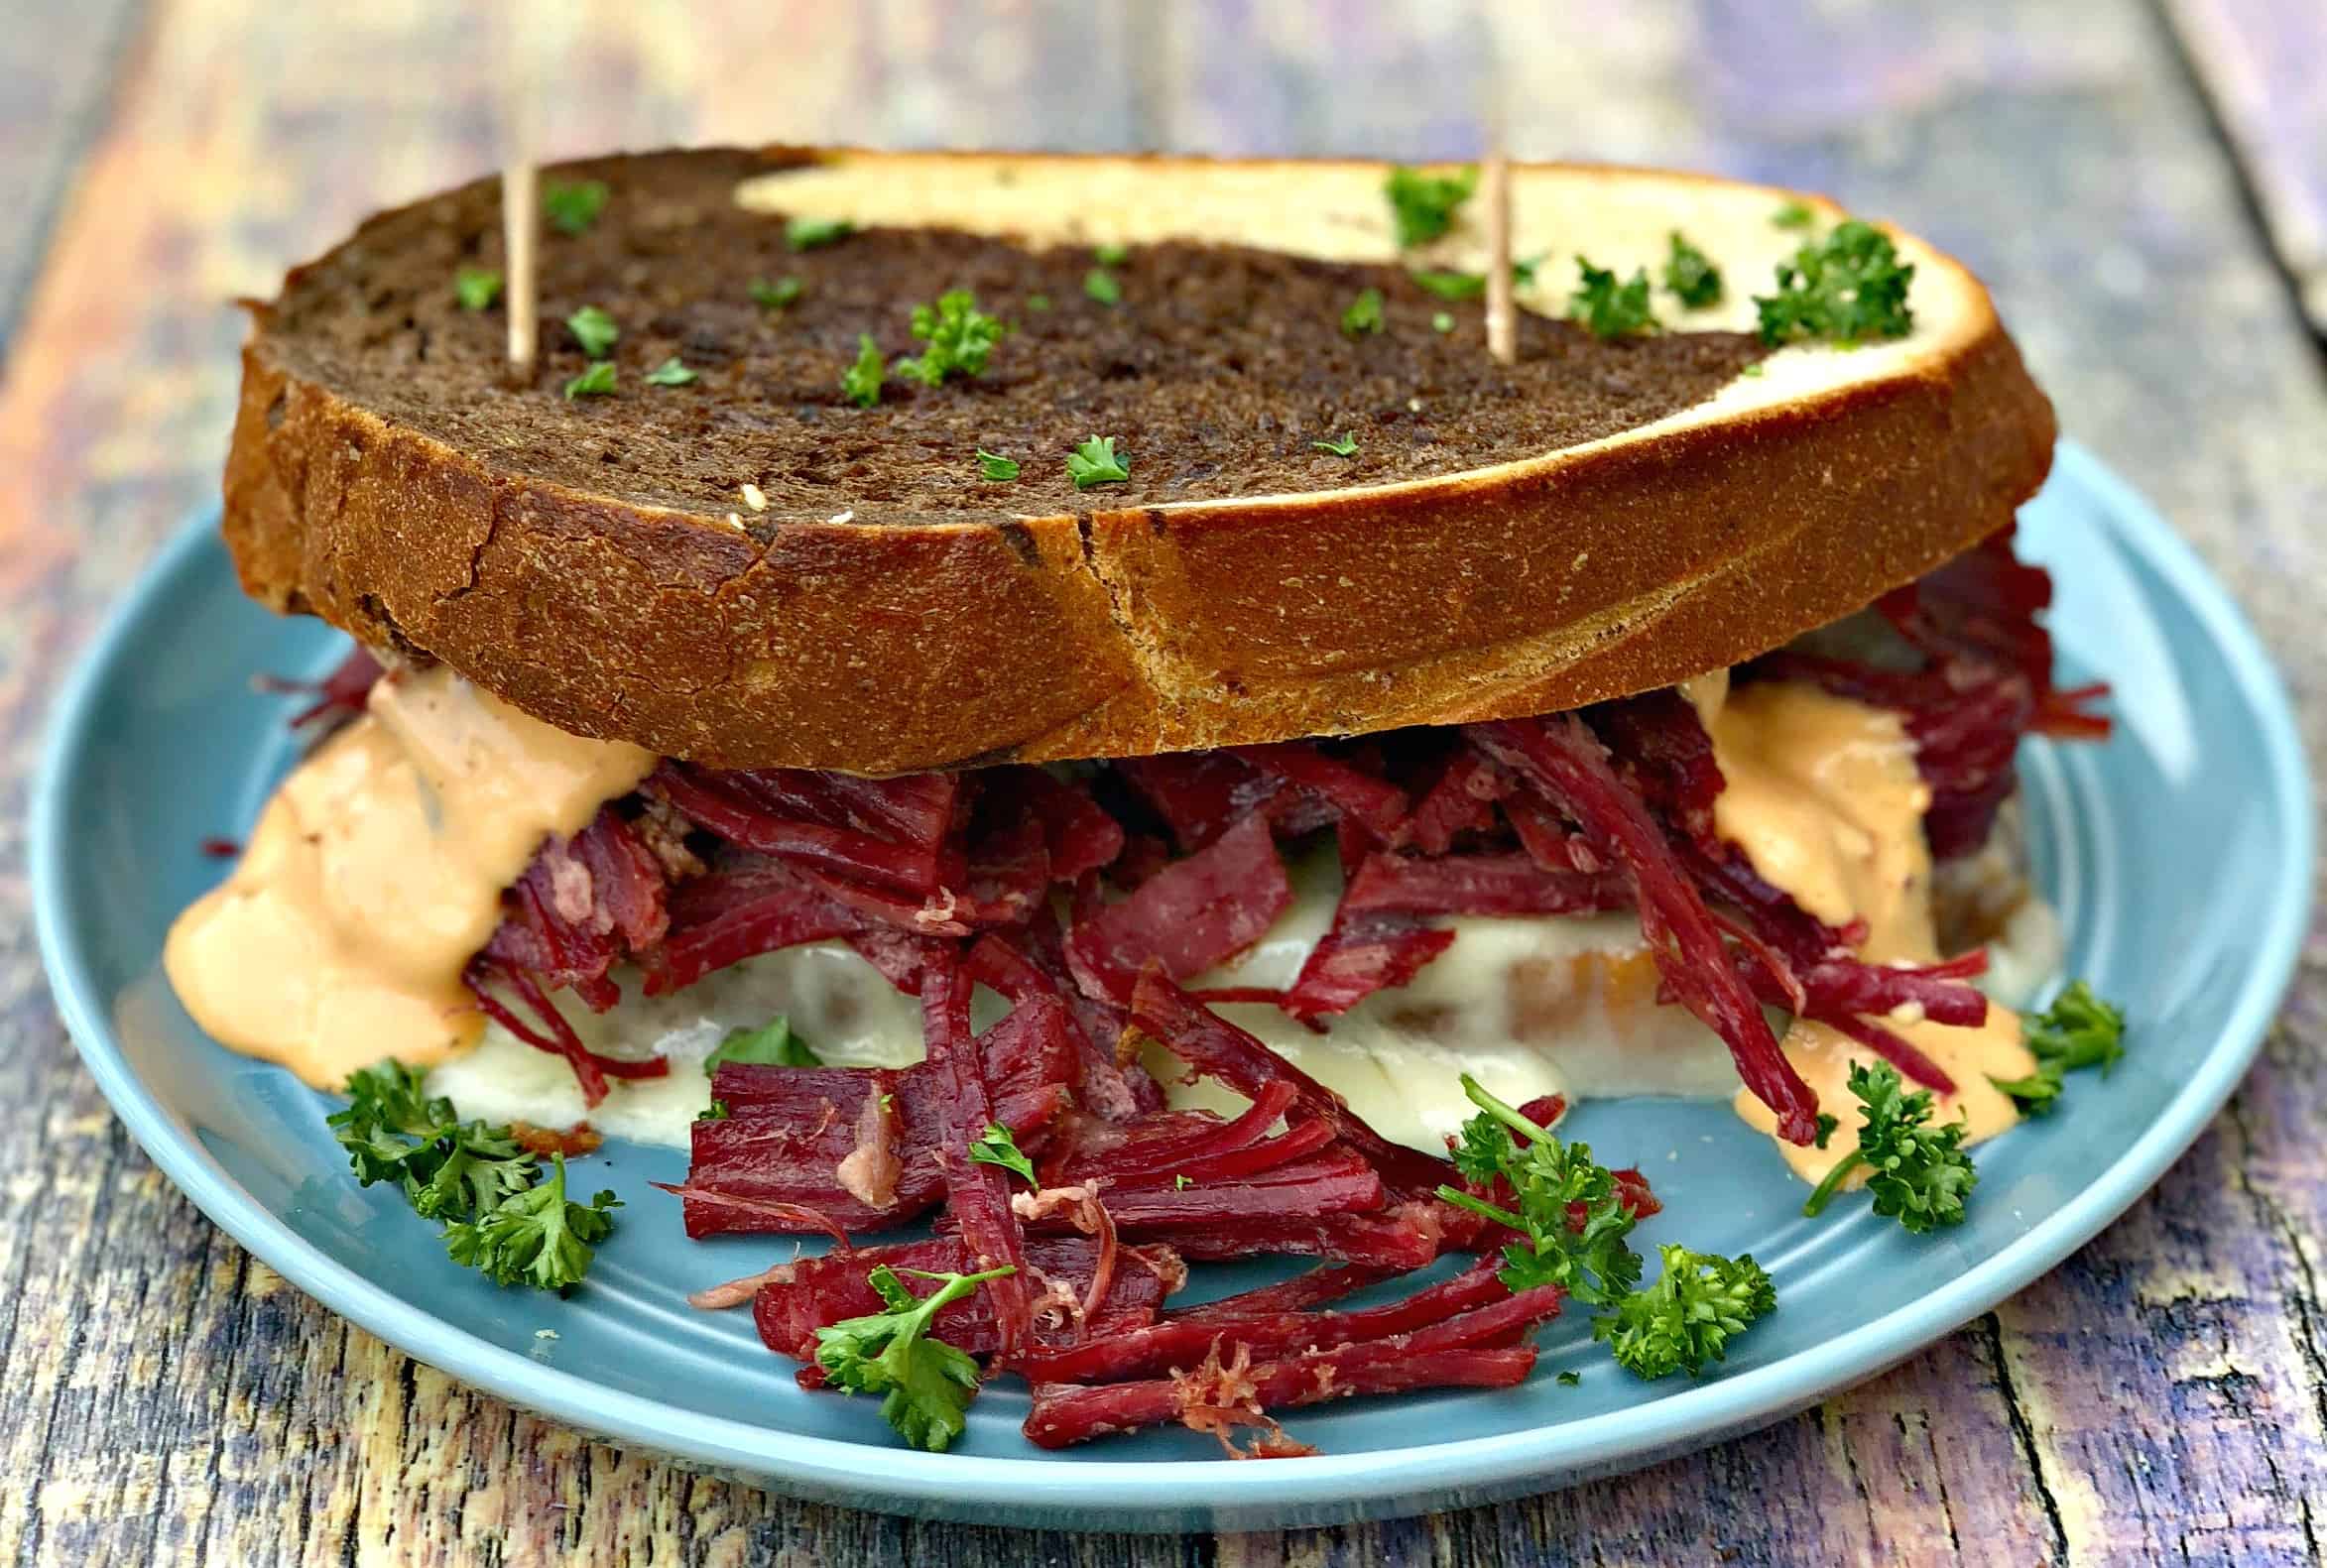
{"points": [[583, 905], [789, 1131], [1565, 761], [977, 1196], [1468, 1349], [1188, 916], [338, 696], [1180, 1340], [1608, 808], [816, 1292], [1085, 896]]}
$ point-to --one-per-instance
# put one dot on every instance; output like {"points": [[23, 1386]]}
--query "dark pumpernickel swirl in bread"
{"points": [[1598, 518]]}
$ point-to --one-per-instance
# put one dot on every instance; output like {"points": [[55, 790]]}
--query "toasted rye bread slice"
{"points": [[1601, 518]]}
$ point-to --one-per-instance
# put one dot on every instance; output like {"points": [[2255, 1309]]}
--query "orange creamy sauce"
{"points": [[1823, 796], [376, 871]]}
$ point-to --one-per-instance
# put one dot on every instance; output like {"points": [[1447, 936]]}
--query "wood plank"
{"points": [[58, 65], [2162, 1395], [2260, 63]]}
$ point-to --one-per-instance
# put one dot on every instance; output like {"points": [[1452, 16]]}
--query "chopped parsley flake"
{"points": [[2078, 1031], [1690, 276], [995, 1147], [862, 380], [1442, 321], [1339, 447], [1095, 463], [1037, 302], [993, 466], [573, 205], [594, 330], [1422, 206], [595, 381], [1454, 287], [1364, 314], [1846, 288], [1793, 215], [1608, 308], [775, 296], [771, 1045], [960, 336], [1457, 286], [806, 234], [476, 288], [673, 372], [1111, 254], [1100, 285]]}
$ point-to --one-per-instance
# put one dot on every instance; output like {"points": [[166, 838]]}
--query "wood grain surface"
{"points": [[166, 1398], [2259, 60]]}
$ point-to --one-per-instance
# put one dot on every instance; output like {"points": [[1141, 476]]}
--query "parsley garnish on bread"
{"points": [[1849, 288], [1422, 206], [573, 205], [1216, 379]]}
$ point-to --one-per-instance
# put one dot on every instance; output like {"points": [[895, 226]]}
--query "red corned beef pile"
{"points": [[1163, 867]]}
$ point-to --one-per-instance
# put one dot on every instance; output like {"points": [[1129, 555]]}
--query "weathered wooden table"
{"points": [[166, 1398]]}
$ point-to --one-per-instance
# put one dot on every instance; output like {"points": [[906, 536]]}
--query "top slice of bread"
{"points": [[749, 571]]}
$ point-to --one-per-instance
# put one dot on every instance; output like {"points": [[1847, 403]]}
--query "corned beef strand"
{"points": [[1470, 1349]]}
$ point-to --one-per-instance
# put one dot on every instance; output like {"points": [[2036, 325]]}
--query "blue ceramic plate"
{"points": [[2179, 855]]}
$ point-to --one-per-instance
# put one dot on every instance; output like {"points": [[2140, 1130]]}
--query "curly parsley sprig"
{"points": [[1688, 1316], [925, 1384], [500, 1218], [1690, 276], [1422, 206], [961, 339], [535, 1236], [1917, 1174], [2078, 1031], [1574, 1224], [1847, 289], [1566, 1207], [1608, 308]]}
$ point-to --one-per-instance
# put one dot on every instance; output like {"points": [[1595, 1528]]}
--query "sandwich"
{"points": [[1088, 660]]}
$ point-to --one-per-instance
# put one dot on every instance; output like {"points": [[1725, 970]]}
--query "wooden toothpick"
{"points": [[521, 208], [1501, 314], [520, 223]]}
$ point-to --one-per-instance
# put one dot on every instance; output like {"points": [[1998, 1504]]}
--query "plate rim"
{"points": [[1157, 1494]]}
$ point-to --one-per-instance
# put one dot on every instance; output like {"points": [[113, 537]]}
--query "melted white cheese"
{"points": [[1395, 1057], [1528, 1006], [834, 999]]}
